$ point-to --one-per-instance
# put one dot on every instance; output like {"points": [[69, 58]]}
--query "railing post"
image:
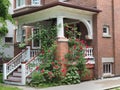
{"points": [[23, 76], [28, 53], [4, 71]]}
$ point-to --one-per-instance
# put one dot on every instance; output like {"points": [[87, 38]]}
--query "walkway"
{"points": [[88, 85]]}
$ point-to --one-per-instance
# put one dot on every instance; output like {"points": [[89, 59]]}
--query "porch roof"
{"points": [[52, 5]]}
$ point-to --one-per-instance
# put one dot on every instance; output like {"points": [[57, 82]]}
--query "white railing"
{"points": [[34, 52], [89, 53], [29, 67], [107, 69], [14, 63]]}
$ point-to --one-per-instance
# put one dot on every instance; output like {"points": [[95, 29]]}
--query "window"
{"points": [[62, 0], [107, 69], [23, 35], [8, 40], [35, 41], [106, 32], [20, 3], [35, 2]]}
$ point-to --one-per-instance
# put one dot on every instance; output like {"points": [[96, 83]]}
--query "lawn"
{"points": [[117, 88], [3, 87]]}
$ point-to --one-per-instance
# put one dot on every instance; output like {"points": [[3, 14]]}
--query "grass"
{"points": [[3, 87], [117, 88]]}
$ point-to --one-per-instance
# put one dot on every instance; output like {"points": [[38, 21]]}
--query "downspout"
{"points": [[113, 34]]}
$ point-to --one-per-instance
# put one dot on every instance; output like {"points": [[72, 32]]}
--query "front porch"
{"points": [[30, 24]]}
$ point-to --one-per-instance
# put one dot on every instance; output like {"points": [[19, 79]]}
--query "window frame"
{"points": [[10, 41], [32, 3], [107, 32], [20, 3], [33, 47]]}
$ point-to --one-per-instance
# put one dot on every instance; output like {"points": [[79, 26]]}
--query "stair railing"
{"points": [[28, 67], [10, 66]]}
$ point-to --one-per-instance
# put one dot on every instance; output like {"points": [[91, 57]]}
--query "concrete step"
{"points": [[17, 73], [13, 78], [19, 69], [12, 82]]}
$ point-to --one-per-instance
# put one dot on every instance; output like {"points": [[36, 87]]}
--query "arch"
{"points": [[89, 28], [87, 24]]}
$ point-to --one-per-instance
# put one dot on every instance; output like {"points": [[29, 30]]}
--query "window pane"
{"points": [[20, 3], [36, 41], [104, 30], [35, 2]]}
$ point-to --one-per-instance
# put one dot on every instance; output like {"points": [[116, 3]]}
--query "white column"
{"points": [[60, 26], [28, 53], [23, 69], [4, 71]]}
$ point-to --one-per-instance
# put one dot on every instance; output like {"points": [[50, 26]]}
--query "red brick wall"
{"points": [[103, 47], [117, 36], [62, 50]]}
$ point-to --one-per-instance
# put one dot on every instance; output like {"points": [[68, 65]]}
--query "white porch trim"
{"points": [[59, 12], [60, 26]]}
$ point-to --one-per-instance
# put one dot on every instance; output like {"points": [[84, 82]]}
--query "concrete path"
{"points": [[88, 85]]}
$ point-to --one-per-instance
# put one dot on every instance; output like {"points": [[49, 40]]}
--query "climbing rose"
{"points": [[37, 68], [42, 71], [63, 70]]}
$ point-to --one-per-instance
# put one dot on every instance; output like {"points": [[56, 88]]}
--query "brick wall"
{"points": [[103, 47], [117, 36]]}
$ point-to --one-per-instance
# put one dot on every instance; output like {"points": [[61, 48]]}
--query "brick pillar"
{"points": [[62, 50], [28, 34]]}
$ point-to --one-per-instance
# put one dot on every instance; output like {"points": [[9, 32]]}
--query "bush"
{"points": [[72, 76]]}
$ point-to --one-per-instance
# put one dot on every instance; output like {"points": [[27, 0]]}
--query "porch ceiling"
{"points": [[53, 12]]}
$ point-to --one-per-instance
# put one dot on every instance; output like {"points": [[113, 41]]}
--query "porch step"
{"points": [[17, 73], [14, 78], [12, 82], [19, 70]]}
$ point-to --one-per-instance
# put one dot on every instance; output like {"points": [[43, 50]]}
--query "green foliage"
{"points": [[75, 55], [4, 16], [72, 76], [3, 31], [22, 45], [49, 70], [1, 78], [47, 35], [50, 73]]}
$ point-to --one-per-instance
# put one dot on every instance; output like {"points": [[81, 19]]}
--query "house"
{"points": [[97, 20]]}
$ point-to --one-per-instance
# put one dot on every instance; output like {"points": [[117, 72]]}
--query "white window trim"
{"points": [[39, 3], [62, 0], [17, 7], [107, 34], [33, 42]]}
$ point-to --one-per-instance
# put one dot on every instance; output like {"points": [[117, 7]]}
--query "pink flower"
{"points": [[63, 70], [37, 68], [55, 67], [74, 46], [50, 73], [63, 59], [42, 51], [53, 63], [42, 71]]}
